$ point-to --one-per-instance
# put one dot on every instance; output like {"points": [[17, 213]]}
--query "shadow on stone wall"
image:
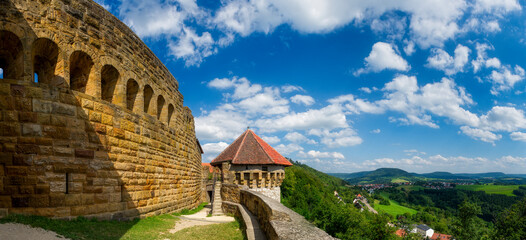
{"points": [[65, 154]]}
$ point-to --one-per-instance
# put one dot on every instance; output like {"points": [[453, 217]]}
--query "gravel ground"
{"points": [[198, 219], [16, 231]]}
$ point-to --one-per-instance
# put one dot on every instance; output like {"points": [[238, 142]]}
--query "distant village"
{"points": [[370, 188]]}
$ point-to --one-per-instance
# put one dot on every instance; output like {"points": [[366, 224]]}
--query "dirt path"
{"points": [[16, 231], [198, 219]]}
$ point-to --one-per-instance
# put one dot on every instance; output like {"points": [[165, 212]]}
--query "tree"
{"points": [[469, 226], [511, 224]]}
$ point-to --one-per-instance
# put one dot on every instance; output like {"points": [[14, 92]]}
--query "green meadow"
{"points": [[491, 189], [394, 209]]}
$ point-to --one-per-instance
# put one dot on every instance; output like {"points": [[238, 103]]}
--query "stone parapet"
{"points": [[277, 221]]}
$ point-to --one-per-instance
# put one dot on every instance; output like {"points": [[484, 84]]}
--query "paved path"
{"points": [[198, 219], [17, 231], [371, 209]]}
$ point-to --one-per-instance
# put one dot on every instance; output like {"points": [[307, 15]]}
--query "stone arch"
{"points": [[109, 76], [11, 55], [79, 70], [148, 94], [160, 106], [170, 113], [132, 88], [45, 55]]}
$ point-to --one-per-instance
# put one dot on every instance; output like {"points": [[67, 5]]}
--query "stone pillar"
{"points": [[138, 106], [259, 184], [119, 94], [94, 82]]}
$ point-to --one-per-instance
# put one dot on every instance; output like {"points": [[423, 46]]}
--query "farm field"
{"points": [[394, 209], [409, 188], [491, 189], [399, 180]]}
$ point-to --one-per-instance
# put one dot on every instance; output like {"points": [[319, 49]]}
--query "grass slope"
{"points": [[393, 209], [491, 189], [155, 227]]}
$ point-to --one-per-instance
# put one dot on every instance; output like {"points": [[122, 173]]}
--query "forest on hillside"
{"points": [[461, 213]]}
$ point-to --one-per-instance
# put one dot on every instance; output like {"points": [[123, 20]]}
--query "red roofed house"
{"points": [[250, 161], [440, 236]]}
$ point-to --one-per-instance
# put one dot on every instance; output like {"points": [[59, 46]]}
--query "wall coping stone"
{"points": [[284, 222]]}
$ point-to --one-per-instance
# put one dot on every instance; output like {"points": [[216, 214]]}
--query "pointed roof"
{"points": [[250, 149]]}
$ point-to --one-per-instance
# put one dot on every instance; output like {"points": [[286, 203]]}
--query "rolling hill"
{"points": [[392, 175]]}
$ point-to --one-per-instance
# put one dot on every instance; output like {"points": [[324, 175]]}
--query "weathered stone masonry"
{"points": [[103, 132]]}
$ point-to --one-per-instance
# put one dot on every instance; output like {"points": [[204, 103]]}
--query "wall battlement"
{"points": [[91, 123]]}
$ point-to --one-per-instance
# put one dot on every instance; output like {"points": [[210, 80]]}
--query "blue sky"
{"points": [[350, 85]]}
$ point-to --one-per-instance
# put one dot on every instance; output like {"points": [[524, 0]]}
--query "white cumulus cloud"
{"points": [[383, 56], [288, 149], [302, 99], [505, 78], [194, 32], [318, 154], [518, 136], [480, 134], [441, 60]]}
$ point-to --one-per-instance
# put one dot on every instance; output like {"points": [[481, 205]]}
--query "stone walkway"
{"points": [[17, 231], [198, 219]]}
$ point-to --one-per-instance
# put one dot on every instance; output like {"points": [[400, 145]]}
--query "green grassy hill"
{"points": [[395, 175], [384, 175]]}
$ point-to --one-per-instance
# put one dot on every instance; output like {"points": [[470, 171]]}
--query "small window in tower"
{"points": [[123, 193], [67, 183], [36, 77], [1, 73]]}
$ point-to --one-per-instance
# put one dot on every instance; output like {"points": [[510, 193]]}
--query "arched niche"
{"points": [[160, 106], [148, 94], [45, 55], [132, 88], [170, 113], [109, 76], [11, 55], [79, 70]]}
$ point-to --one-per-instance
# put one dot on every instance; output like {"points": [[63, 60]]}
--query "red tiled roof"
{"points": [[400, 232], [251, 149], [210, 169], [440, 236]]}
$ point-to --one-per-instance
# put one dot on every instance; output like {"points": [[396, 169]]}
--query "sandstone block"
{"points": [[10, 116], [57, 200], [29, 129], [73, 199], [87, 104], [42, 106], [64, 109], [5, 201], [107, 119], [57, 187], [83, 153], [39, 201], [95, 116]]}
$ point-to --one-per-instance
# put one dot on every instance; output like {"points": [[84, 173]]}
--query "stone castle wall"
{"points": [[91, 122]]}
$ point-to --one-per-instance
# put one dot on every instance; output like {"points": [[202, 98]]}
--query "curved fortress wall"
{"points": [[91, 122]]}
